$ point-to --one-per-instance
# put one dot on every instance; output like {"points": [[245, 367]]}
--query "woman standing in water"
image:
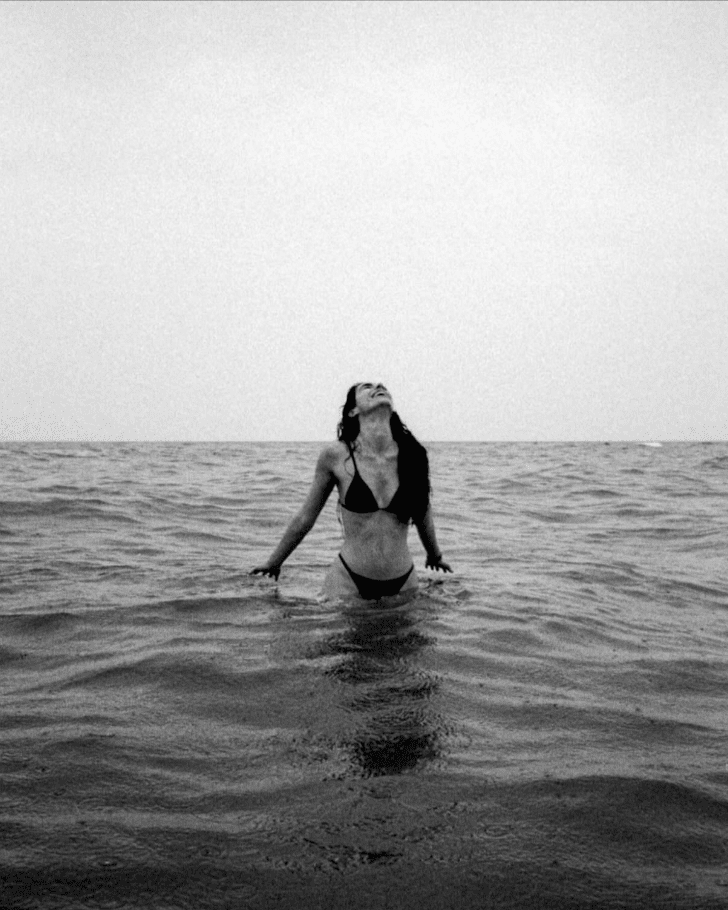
{"points": [[383, 478]]}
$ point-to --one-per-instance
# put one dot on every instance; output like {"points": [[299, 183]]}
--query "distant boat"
{"points": [[652, 445]]}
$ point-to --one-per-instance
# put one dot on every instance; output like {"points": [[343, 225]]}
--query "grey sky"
{"points": [[217, 216]]}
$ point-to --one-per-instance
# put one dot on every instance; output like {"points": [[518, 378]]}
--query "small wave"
{"points": [[174, 671], [71, 453], [664, 817], [661, 532], [674, 586], [10, 655], [41, 622], [201, 536], [202, 604], [638, 511], [681, 677], [596, 492], [66, 489], [720, 462], [560, 517], [61, 506]]}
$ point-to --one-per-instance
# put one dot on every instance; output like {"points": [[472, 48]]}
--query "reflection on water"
{"points": [[386, 690]]}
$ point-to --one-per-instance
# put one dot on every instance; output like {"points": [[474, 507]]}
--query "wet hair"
{"points": [[413, 465]]}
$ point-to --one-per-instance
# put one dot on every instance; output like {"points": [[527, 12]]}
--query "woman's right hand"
{"points": [[270, 571]]}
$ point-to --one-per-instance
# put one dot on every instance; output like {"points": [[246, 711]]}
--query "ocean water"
{"points": [[545, 729]]}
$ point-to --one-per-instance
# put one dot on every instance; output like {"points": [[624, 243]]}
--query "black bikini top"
{"points": [[359, 498]]}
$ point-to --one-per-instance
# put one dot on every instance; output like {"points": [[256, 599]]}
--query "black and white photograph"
{"points": [[364, 455]]}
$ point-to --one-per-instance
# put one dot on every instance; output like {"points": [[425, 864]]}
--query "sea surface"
{"points": [[546, 729]]}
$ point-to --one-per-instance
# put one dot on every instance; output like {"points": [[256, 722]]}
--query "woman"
{"points": [[382, 475]]}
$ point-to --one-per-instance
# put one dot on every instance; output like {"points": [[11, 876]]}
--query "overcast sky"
{"points": [[217, 216]]}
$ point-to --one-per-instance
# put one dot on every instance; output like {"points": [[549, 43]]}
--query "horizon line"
{"points": [[529, 441]]}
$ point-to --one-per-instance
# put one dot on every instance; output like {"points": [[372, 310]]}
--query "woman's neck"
{"points": [[375, 432]]}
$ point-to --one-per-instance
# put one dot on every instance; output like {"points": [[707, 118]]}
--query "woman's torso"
{"points": [[375, 539]]}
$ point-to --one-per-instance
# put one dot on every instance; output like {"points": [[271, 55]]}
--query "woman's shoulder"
{"points": [[333, 454]]}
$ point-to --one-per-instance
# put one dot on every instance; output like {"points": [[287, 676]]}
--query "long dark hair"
{"points": [[413, 465]]}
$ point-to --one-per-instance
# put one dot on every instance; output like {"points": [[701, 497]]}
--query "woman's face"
{"points": [[370, 396]]}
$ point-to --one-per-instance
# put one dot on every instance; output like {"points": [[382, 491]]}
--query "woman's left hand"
{"points": [[438, 564]]}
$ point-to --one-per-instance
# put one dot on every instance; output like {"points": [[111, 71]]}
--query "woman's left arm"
{"points": [[426, 530]]}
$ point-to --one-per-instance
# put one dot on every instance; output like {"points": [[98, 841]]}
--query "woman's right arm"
{"points": [[324, 481]]}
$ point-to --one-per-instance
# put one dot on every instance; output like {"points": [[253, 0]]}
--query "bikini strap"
{"points": [[351, 452]]}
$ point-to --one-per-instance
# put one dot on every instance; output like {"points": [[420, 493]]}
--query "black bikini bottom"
{"points": [[374, 588]]}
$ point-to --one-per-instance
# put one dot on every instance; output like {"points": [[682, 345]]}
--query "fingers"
{"points": [[438, 566], [262, 570]]}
